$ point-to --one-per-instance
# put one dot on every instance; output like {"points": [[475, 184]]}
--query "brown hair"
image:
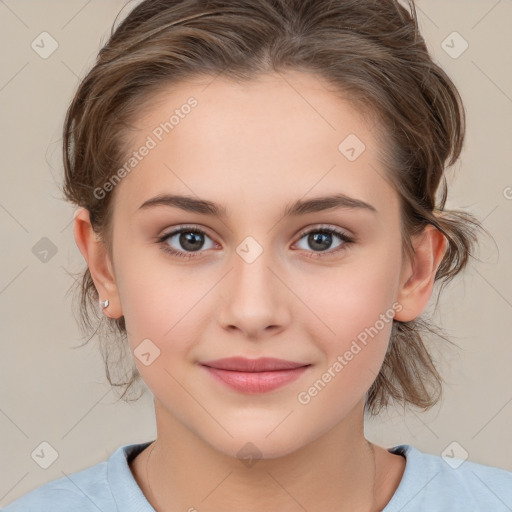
{"points": [[369, 50]]}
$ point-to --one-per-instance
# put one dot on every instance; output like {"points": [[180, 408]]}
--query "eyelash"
{"points": [[314, 254]]}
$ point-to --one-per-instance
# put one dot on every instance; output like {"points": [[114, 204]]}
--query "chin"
{"points": [[249, 444]]}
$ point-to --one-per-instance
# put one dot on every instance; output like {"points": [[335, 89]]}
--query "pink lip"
{"points": [[255, 375]]}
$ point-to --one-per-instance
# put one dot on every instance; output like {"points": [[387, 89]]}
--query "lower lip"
{"points": [[256, 382]]}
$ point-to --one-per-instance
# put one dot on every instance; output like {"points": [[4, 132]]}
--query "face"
{"points": [[314, 284]]}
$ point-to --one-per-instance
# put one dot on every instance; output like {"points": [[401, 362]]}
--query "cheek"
{"points": [[357, 307], [356, 310], [160, 301], [352, 297], [162, 324]]}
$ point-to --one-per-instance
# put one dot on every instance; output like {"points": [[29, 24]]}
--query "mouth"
{"points": [[263, 364], [254, 375]]}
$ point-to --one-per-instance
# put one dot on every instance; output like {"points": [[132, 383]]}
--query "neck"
{"points": [[179, 471]]}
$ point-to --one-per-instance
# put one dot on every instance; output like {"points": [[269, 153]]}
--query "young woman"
{"points": [[260, 192]]}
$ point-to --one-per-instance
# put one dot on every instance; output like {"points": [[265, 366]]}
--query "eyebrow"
{"points": [[299, 207]]}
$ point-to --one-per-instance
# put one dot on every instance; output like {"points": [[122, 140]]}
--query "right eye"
{"points": [[190, 239]]}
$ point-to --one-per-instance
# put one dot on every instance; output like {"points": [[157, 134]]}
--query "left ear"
{"points": [[418, 275]]}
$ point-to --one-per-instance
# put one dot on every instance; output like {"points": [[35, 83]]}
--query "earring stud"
{"points": [[104, 303]]}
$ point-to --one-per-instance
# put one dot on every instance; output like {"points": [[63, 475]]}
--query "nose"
{"points": [[255, 301]]}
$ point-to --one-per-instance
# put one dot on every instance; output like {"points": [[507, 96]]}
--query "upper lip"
{"points": [[263, 364]]}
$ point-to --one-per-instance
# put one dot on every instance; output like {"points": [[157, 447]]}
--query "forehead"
{"points": [[278, 137]]}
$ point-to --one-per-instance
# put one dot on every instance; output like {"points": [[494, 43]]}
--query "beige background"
{"points": [[54, 393]]}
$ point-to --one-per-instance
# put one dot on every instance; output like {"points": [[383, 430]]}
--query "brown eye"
{"points": [[188, 241], [321, 240]]}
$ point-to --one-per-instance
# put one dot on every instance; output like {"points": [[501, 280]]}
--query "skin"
{"points": [[255, 148]]}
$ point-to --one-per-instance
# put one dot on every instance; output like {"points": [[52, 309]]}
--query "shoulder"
{"points": [[432, 482], [89, 490], [77, 491]]}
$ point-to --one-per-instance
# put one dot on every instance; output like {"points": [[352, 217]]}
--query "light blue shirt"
{"points": [[429, 484]]}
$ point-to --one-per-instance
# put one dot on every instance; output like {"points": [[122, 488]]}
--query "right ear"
{"points": [[98, 261]]}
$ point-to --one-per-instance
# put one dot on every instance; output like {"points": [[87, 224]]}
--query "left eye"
{"points": [[192, 240], [320, 238]]}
